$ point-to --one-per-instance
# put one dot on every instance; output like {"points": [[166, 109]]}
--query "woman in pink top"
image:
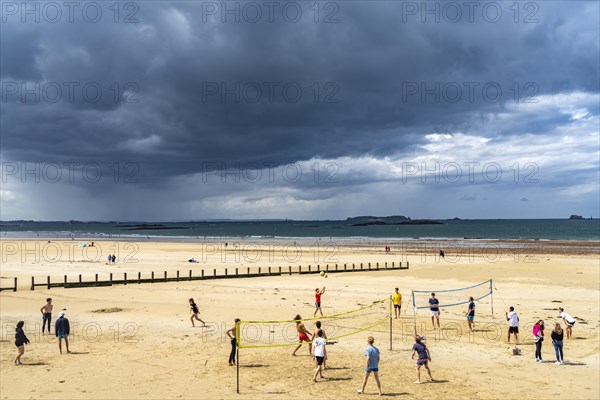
{"points": [[538, 337]]}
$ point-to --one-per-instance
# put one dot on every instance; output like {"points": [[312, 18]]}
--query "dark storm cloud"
{"points": [[370, 58]]}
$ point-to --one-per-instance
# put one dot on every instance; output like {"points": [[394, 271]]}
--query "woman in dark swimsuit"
{"points": [[194, 311], [20, 341]]}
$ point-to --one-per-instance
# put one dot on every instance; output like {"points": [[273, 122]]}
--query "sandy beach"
{"points": [[136, 341]]}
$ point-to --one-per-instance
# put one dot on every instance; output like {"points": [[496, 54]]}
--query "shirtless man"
{"points": [[302, 334], [46, 311], [231, 333]]}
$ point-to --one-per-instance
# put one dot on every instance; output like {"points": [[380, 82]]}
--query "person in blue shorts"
{"points": [[372, 354], [62, 329], [471, 314], [424, 358]]}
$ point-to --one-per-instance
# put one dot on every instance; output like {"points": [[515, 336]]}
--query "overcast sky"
{"points": [[187, 110]]}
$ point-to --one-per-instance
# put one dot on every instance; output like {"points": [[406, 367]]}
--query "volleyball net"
{"points": [[282, 333], [482, 293], [261, 334]]}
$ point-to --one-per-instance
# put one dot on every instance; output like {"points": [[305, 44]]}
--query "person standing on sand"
{"points": [[513, 324], [424, 358], [109, 258], [316, 334], [114, 259], [569, 321], [231, 333], [434, 310], [373, 358], [557, 342], [397, 300], [46, 311], [318, 294], [320, 353], [20, 341], [302, 334], [62, 330], [194, 310], [538, 338], [471, 314]]}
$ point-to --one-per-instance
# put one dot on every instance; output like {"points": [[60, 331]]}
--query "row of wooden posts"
{"points": [[267, 272]]}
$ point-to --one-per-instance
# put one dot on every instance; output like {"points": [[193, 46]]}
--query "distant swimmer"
{"points": [[318, 294], [194, 310], [302, 334]]}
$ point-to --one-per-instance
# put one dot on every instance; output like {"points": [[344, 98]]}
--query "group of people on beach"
{"points": [[112, 259], [557, 334], [62, 329]]}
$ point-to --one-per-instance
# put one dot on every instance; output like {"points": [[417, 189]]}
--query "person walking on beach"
{"points": [[373, 358], [318, 294], [319, 353], [46, 311], [434, 310], [538, 338], [557, 342], [316, 334], [194, 310], [397, 300], [114, 259], [513, 324], [109, 258], [471, 314], [569, 321], [62, 330], [424, 359], [232, 335], [20, 341], [302, 334]]}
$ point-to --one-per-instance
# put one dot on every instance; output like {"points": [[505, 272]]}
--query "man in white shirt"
{"points": [[319, 353], [513, 320], [569, 321]]}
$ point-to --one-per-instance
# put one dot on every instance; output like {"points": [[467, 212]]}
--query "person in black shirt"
{"points": [[194, 310], [434, 310], [471, 314], [20, 341], [62, 329], [557, 341]]}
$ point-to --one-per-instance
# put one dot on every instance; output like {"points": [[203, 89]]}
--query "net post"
{"points": [[237, 354], [390, 317], [414, 312], [492, 296]]}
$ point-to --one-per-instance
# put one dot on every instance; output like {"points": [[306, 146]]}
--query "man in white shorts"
{"points": [[434, 310], [569, 321]]}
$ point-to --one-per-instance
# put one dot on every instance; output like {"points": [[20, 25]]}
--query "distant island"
{"points": [[575, 217], [391, 220]]}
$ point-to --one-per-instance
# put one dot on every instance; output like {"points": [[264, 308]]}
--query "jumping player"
{"points": [[318, 294]]}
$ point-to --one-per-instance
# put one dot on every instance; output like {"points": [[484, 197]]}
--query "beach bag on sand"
{"points": [[514, 351]]}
